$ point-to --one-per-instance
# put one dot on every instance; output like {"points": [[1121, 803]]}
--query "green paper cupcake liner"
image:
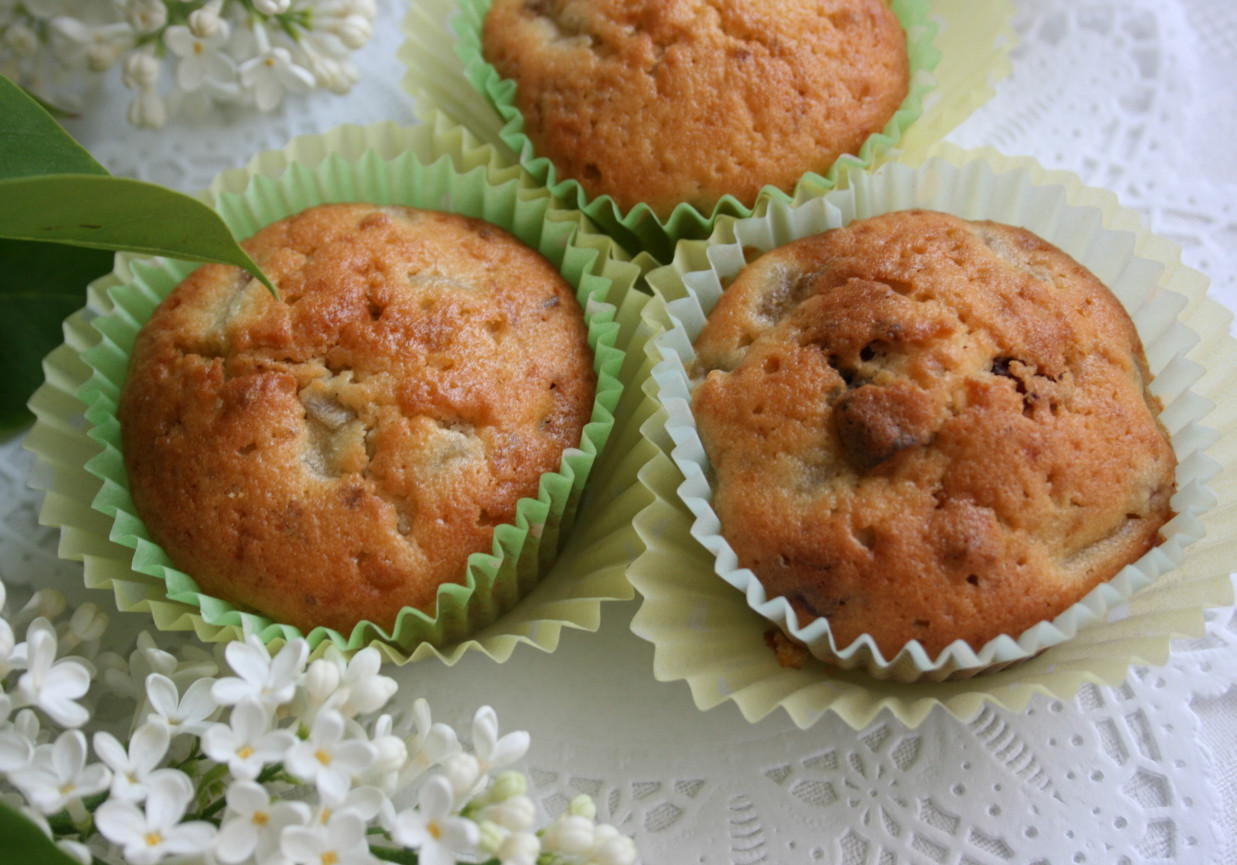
{"points": [[502, 603], [442, 83], [708, 619]]}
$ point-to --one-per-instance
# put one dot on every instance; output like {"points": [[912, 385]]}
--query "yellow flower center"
{"points": [[323, 757], [153, 839], [198, 48], [270, 61], [330, 857], [67, 789], [245, 752], [435, 830], [261, 818]]}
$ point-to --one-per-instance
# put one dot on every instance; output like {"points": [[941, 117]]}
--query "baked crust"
{"points": [[929, 429], [338, 454], [663, 101]]}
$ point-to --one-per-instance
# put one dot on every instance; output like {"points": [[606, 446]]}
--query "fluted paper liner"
{"points": [[956, 50], [80, 465], [707, 617]]}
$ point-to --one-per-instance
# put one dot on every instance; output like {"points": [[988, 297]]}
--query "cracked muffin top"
{"points": [[337, 454], [923, 428], [663, 101]]}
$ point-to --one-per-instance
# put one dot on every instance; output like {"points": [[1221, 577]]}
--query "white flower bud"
{"points": [[45, 603], [506, 786], [139, 70], [392, 754], [205, 23], [147, 110], [272, 7], [518, 814], [337, 76], [365, 8], [582, 806], [615, 850], [146, 16], [463, 772], [100, 57], [353, 30], [321, 680], [88, 622], [519, 848], [571, 835], [22, 41]]}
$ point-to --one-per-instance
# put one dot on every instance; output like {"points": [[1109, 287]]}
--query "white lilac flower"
{"points": [[146, 658], [327, 759], [26, 722], [43, 604], [433, 829], [189, 713], [271, 681], [247, 742], [81, 634], [253, 823], [150, 834], [133, 767], [16, 750], [271, 73], [339, 840], [8, 642], [52, 685], [492, 751], [59, 777], [361, 689], [203, 60], [429, 746], [21, 39], [76, 43]]}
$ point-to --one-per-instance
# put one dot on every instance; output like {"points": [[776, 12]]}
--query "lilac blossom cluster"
{"points": [[240, 756]]}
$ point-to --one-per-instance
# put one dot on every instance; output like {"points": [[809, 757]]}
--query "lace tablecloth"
{"points": [[1135, 96]]}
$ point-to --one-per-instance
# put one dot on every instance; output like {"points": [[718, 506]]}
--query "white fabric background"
{"points": [[1134, 95]]}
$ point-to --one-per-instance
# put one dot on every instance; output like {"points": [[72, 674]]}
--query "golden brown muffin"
{"points": [[337, 454], [664, 101], [928, 429]]}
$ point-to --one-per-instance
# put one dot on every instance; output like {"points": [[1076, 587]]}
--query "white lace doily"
{"points": [[1134, 95]]}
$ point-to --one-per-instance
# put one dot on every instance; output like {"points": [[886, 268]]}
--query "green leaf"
{"points": [[32, 142], [58, 206], [25, 843], [118, 213], [45, 283]]}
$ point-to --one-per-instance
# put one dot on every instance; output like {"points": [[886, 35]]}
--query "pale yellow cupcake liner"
{"points": [[708, 619], [86, 494]]}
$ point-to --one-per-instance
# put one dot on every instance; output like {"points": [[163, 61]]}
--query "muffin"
{"points": [[926, 429], [336, 455], [669, 101]]}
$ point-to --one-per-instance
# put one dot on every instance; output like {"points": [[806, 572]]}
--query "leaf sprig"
{"points": [[62, 218]]}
